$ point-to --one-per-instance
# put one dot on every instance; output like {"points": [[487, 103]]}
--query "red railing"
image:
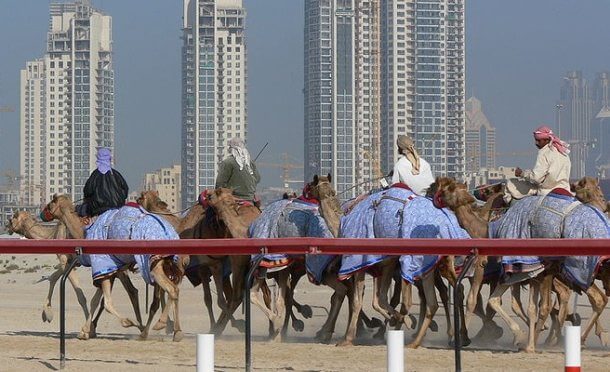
{"points": [[490, 247]]}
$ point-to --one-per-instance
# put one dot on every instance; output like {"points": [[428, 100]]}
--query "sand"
{"points": [[29, 344]]}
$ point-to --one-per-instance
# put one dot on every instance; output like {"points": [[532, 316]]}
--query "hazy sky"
{"points": [[517, 53]]}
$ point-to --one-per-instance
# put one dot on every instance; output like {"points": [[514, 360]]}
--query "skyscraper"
{"points": [[375, 69], [576, 118], [480, 138], [600, 125], [423, 81], [213, 89], [77, 106]]}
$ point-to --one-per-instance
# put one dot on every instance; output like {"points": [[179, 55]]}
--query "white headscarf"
{"points": [[238, 149]]}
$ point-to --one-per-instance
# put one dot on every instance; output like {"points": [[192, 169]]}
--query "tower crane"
{"points": [[286, 166]]}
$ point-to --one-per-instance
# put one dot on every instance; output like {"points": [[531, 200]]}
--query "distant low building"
{"points": [[166, 181], [487, 176]]}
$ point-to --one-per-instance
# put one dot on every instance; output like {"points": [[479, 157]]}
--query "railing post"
{"points": [[62, 309], [456, 313], [246, 301]]}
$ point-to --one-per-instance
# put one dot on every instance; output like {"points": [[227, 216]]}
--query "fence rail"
{"points": [[488, 247]]}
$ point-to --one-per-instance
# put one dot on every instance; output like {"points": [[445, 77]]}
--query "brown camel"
{"points": [[62, 208], [23, 223]]}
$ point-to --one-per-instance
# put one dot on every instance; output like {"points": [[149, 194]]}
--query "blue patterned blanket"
{"points": [[127, 223], [399, 213], [293, 218]]}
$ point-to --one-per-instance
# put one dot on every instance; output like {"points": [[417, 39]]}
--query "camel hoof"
{"points": [[239, 324], [126, 323], [83, 336], [574, 319], [47, 314], [298, 325], [323, 337], [413, 345], [528, 349], [433, 326], [376, 323], [464, 341], [178, 336], [413, 321], [169, 327], [345, 343], [159, 325], [143, 335], [519, 339], [306, 311]]}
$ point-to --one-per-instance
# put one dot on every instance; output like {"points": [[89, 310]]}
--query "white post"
{"points": [[396, 351], [572, 348], [205, 353]]}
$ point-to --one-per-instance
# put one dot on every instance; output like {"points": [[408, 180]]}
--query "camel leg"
{"points": [[598, 301], [444, 294], [265, 308], [280, 303], [397, 292], [336, 300], [109, 304], [173, 293], [495, 302], [86, 330], [475, 287], [356, 306], [516, 304], [47, 311], [132, 292], [545, 307], [80, 295], [532, 312], [380, 295], [207, 301], [431, 307], [563, 295], [154, 307], [239, 267], [406, 289]]}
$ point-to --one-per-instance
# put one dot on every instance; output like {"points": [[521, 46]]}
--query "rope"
{"points": [[360, 184]]}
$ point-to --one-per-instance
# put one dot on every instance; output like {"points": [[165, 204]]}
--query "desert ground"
{"points": [[29, 344]]}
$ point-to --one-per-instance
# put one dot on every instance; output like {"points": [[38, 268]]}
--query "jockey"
{"points": [[105, 189], [552, 169], [238, 172], [410, 168]]}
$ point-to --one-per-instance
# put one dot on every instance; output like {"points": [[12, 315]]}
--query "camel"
{"points": [[398, 212], [525, 220], [162, 271], [23, 223]]}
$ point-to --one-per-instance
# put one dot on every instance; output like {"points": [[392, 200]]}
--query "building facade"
{"points": [[480, 138], [166, 181], [575, 122], [77, 110], [600, 127], [214, 104], [376, 69]]}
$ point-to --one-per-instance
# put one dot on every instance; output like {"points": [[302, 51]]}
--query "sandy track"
{"points": [[28, 344]]}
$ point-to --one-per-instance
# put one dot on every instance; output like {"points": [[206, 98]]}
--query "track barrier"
{"points": [[396, 351], [205, 353], [224, 247], [572, 348]]}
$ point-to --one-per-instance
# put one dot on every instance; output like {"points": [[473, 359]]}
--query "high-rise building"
{"points": [[480, 138], [423, 81], [32, 133], [77, 105], [576, 114], [214, 87], [600, 126], [166, 181], [375, 69]]}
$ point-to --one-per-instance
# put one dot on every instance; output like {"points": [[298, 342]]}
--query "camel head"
{"points": [[148, 199], [588, 192], [19, 222], [451, 194], [59, 205], [221, 198], [322, 187]]}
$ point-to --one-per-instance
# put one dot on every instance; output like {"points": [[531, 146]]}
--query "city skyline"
{"points": [[512, 112]]}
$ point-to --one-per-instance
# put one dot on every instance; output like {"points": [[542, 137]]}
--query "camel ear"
{"points": [[315, 180], [330, 179]]}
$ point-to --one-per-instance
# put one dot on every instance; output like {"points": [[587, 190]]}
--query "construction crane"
{"points": [[6, 109], [286, 166]]}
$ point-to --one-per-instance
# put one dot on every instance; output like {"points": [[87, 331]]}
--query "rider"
{"points": [[238, 172], [105, 189], [411, 169], [551, 172]]}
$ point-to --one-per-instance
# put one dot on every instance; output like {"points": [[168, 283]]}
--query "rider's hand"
{"points": [[518, 172]]}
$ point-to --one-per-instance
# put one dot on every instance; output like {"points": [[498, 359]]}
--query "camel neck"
{"points": [[471, 222], [330, 213]]}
